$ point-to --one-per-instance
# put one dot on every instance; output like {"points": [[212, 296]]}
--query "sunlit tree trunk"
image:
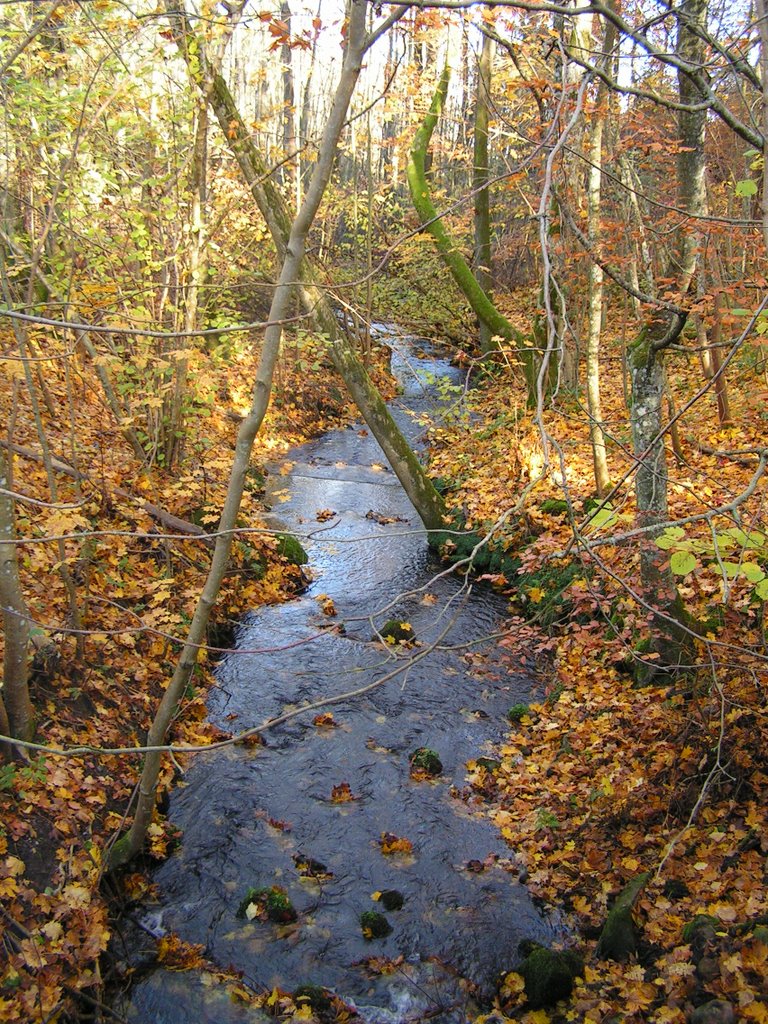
{"points": [[595, 275], [291, 170], [133, 841], [196, 273]]}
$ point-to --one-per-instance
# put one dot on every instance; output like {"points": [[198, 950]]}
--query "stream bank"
{"points": [[320, 810]]}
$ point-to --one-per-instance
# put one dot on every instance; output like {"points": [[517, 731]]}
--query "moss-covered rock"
{"points": [[271, 904], [426, 762], [374, 925], [290, 549], [319, 999], [489, 763], [518, 712], [548, 974], [541, 593], [618, 939], [703, 927], [554, 506], [457, 543], [391, 899]]}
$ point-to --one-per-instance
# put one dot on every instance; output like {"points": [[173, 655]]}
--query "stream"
{"points": [[262, 816]]}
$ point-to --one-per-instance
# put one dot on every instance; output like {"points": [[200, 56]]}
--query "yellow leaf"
{"points": [[755, 1011], [14, 866], [537, 1017], [376, 895]]}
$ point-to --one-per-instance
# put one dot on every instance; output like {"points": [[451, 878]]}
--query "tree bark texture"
{"points": [[595, 277], [647, 354], [17, 704]]}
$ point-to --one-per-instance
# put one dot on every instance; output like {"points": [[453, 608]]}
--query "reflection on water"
{"points": [[253, 818]]}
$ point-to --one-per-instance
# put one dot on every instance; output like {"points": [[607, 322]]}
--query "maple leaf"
{"points": [[177, 955], [342, 794], [327, 607]]}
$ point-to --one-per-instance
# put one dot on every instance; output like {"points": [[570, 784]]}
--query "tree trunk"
{"points": [[17, 704], [595, 276], [496, 322], [132, 842], [482, 260], [274, 210], [657, 582], [196, 273], [670, 641]]}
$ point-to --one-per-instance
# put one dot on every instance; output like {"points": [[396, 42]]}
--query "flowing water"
{"points": [[257, 817]]}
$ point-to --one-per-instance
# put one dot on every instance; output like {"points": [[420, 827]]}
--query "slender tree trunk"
{"points": [[133, 841], [691, 164], [497, 323], [595, 275], [15, 699], [196, 272], [63, 566], [762, 23], [647, 354], [482, 261]]}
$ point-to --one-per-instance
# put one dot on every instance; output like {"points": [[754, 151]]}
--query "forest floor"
{"points": [[600, 781], [605, 779], [137, 581]]}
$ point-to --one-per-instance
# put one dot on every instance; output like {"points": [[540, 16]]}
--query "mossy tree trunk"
{"points": [[401, 457], [480, 172], [474, 293], [671, 639], [646, 358]]}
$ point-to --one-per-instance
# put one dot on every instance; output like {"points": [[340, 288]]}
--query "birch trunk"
{"points": [[595, 278]]}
